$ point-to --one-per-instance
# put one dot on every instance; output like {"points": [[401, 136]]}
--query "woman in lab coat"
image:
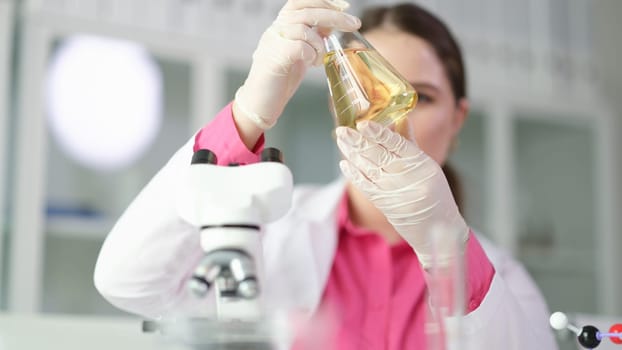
{"points": [[359, 248]]}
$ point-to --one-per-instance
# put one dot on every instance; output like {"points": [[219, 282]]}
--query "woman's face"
{"points": [[437, 117]]}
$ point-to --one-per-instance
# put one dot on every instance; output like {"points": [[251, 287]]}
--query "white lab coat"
{"points": [[150, 253]]}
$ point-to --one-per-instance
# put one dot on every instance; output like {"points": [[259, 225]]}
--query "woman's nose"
{"points": [[402, 127]]}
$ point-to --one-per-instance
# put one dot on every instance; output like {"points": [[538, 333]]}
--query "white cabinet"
{"points": [[82, 204], [558, 230], [559, 198]]}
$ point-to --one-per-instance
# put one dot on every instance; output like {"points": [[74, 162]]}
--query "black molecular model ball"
{"points": [[588, 337]]}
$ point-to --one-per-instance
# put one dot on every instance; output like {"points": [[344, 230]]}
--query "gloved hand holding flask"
{"points": [[291, 44], [406, 184]]}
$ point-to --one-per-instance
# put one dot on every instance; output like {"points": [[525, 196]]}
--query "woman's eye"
{"points": [[423, 98]]}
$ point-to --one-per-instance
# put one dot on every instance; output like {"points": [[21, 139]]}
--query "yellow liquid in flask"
{"points": [[363, 86]]}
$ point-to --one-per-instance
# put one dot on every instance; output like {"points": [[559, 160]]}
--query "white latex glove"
{"points": [[408, 187], [286, 49]]}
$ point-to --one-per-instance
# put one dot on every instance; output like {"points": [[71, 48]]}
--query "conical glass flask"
{"points": [[362, 84]]}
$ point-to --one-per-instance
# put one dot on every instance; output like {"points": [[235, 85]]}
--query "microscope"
{"points": [[229, 205]]}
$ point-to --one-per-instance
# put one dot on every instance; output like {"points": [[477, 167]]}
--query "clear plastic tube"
{"points": [[446, 292]]}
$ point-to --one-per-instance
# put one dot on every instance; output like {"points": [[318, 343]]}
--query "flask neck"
{"points": [[339, 41], [331, 42]]}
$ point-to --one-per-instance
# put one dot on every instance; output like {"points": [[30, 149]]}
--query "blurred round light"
{"points": [[104, 100]]}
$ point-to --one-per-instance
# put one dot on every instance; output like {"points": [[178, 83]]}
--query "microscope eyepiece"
{"points": [[204, 156], [272, 154]]}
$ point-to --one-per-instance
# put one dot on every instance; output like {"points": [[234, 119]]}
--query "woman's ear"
{"points": [[460, 115]]}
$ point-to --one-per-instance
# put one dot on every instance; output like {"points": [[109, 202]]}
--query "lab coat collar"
{"points": [[305, 242], [321, 205], [323, 237]]}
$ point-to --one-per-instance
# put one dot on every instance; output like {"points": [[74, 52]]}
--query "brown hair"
{"points": [[415, 20]]}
